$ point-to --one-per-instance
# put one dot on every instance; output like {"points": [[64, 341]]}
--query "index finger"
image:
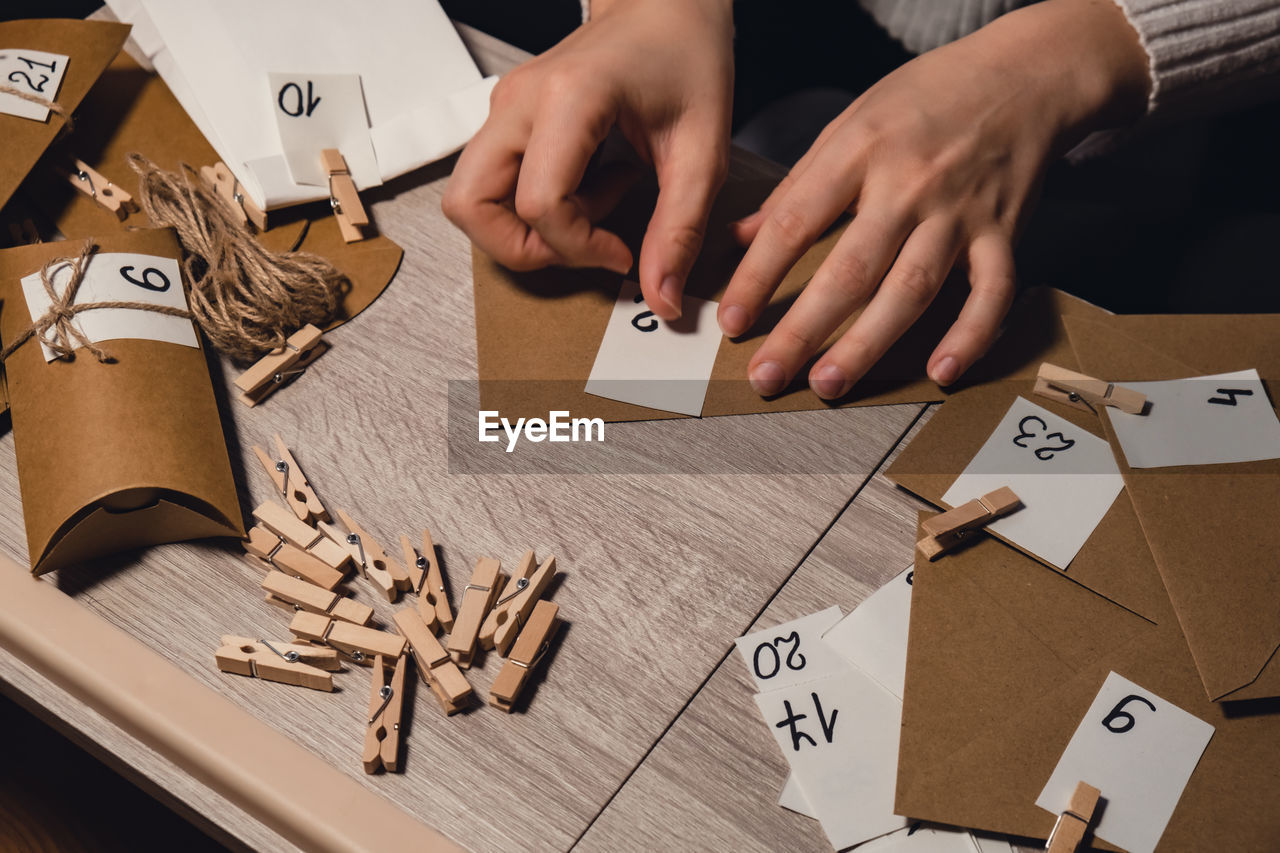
{"points": [[478, 200], [560, 146]]}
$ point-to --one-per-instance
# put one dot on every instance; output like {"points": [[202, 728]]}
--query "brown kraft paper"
{"points": [[1115, 562], [537, 332], [117, 455], [133, 110], [1212, 528], [89, 46], [1003, 660]]}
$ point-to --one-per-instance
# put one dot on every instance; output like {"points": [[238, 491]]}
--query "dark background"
{"points": [[1187, 220]]}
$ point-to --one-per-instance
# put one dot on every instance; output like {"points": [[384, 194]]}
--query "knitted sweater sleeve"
{"points": [[1208, 55], [1205, 55]]}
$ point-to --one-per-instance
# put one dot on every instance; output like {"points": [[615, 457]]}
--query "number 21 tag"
{"points": [[36, 73]]}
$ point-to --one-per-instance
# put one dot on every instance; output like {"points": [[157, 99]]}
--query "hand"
{"points": [[939, 162], [662, 72]]}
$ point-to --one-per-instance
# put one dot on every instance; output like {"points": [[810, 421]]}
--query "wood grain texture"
{"points": [[660, 572], [715, 776]]}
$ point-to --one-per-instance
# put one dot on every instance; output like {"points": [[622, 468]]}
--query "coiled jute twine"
{"points": [[248, 300]]}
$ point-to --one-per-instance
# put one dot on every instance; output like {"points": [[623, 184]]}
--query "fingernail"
{"points": [[945, 372], [670, 292], [767, 378], [829, 382], [733, 321]]}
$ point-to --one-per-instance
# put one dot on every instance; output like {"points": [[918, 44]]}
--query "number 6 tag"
{"points": [[1139, 751]]}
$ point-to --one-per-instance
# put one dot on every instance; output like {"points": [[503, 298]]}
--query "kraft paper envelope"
{"points": [[133, 110], [1115, 561], [117, 455], [1003, 659], [537, 333], [1212, 528], [89, 46]]}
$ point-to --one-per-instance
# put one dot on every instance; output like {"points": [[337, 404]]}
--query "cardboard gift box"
{"points": [[114, 455]]}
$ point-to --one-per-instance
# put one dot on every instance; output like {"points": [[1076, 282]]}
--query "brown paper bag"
{"points": [[1115, 562], [90, 45], [1212, 528], [537, 333], [1003, 660], [117, 455]]}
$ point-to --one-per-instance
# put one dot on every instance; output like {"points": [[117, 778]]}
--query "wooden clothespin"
{"points": [[531, 645], [434, 664], [287, 475], [386, 706], [1069, 831], [293, 561], [289, 527], [85, 178], [303, 666], [428, 582], [386, 574], [293, 594], [343, 197], [281, 366], [1084, 392], [477, 598], [947, 530], [526, 586], [227, 187], [357, 642]]}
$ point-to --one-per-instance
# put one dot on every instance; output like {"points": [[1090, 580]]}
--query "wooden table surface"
{"points": [[643, 732]]}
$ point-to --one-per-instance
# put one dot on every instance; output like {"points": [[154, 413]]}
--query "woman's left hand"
{"points": [[939, 163]]}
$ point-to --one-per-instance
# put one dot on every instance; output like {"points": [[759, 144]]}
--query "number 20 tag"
{"points": [[791, 652]]}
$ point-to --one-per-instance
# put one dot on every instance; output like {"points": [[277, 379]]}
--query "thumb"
{"points": [[690, 173]]}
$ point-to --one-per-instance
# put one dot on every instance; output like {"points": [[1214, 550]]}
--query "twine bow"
{"points": [[55, 329]]}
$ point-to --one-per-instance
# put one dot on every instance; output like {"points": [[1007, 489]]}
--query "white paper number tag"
{"points": [[645, 361], [33, 72], [840, 736], [1139, 751], [792, 652], [1066, 478], [319, 111], [120, 277], [1202, 421], [873, 637]]}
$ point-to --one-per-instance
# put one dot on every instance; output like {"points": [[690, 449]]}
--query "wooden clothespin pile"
{"points": [[307, 558], [1084, 392], [949, 529], [280, 367]]}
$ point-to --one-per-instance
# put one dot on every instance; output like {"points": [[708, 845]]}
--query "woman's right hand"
{"points": [[659, 70]]}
